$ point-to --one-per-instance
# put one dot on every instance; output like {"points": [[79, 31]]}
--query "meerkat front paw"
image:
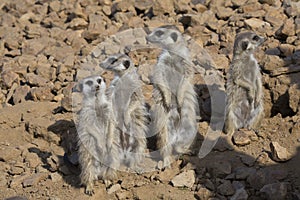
{"points": [[251, 95], [167, 162], [89, 189]]}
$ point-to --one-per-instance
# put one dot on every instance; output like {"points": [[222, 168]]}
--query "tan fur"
{"points": [[244, 105], [130, 111], [174, 112], [97, 150]]}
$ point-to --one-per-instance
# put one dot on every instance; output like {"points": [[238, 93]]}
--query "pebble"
{"points": [[184, 179], [279, 153]]}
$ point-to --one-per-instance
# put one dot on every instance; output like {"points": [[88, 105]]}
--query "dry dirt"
{"points": [[46, 46]]}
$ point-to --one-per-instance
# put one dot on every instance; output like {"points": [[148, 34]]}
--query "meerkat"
{"points": [[96, 138], [174, 112], [129, 107], [244, 105]]}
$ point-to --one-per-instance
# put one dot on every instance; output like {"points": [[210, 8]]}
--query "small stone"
{"points": [[162, 7], [279, 153], [241, 138], [203, 193], [240, 194], [209, 184], [20, 94], [35, 80], [243, 172], [220, 168], [107, 10], [288, 28], [55, 177], [8, 153], [255, 23], [143, 5], [114, 188], [78, 23], [16, 170], [124, 195], [272, 62], [184, 179], [41, 94], [287, 49], [226, 188], [275, 190], [8, 78], [33, 159], [33, 179], [224, 13], [58, 98], [17, 181]]}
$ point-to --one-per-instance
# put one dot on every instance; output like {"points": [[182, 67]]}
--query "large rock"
{"points": [[226, 188], [21, 94], [279, 153], [275, 191], [294, 100], [184, 179], [162, 7]]}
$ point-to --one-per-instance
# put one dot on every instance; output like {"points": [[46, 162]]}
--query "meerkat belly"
{"points": [[242, 106]]}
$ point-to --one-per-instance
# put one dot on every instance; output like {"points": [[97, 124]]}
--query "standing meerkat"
{"points": [[96, 139], [174, 112], [244, 106], [129, 107]]}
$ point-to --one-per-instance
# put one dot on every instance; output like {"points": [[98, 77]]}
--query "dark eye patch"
{"points": [[99, 80], [244, 45], [174, 36], [159, 33], [112, 60], [255, 38], [89, 83], [126, 64]]}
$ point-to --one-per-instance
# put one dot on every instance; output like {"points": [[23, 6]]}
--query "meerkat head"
{"points": [[91, 85], [247, 42], [166, 36], [118, 63]]}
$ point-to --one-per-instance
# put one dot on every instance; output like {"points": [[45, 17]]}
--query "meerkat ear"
{"points": [[174, 36], [126, 64], [244, 45]]}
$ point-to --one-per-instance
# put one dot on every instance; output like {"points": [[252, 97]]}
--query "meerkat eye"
{"points": [[159, 33], [89, 83], [126, 64], [255, 38], [99, 80]]}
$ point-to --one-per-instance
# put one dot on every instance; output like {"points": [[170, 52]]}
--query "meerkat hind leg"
{"points": [[256, 120], [166, 148]]}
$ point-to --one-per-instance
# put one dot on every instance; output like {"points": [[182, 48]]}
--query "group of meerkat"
{"points": [[114, 120]]}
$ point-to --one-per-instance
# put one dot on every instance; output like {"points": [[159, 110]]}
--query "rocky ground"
{"points": [[46, 46]]}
